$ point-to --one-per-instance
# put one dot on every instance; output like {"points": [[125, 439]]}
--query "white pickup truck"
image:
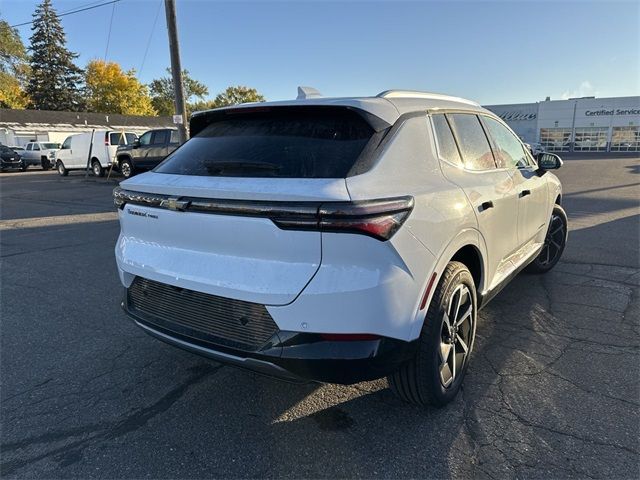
{"points": [[40, 153]]}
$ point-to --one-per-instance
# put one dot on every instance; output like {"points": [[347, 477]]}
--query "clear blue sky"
{"points": [[493, 52]]}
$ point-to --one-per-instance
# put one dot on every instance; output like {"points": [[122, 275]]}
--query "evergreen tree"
{"points": [[56, 82]]}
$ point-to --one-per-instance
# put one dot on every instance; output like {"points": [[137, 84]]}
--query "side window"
{"points": [[36, 146], [473, 143], [145, 139], [447, 148], [67, 144], [160, 137], [509, 150], [30, 146], [174, 136]]}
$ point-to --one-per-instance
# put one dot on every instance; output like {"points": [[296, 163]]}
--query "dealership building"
{"points": [[586, 124]]}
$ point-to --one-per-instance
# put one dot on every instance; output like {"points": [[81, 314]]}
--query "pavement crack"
{"points": [[104, 430]]}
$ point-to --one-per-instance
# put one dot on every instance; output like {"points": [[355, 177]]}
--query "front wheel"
{"points": [[554, 243], [125, 167], [24, 166], [62, 171], [435, 374], [46, 164]]}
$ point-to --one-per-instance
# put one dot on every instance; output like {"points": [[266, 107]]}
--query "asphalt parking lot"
{"points": [[553, 388]]}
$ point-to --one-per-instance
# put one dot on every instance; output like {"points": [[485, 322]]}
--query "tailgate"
{"points": [[240, 256]]}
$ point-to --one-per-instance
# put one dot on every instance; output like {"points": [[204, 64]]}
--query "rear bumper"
{"points": [[298, 357]]}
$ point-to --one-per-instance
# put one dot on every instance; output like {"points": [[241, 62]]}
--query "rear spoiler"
{"points": [[200, 120]]}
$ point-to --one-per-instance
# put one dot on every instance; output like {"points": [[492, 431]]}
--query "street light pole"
{"points": [[176, 69]]}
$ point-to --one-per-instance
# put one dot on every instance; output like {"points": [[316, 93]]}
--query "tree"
{"points": [[14, 68], [231, 96], [55, 82], [162, 97], [236, 95], [111, 90]]}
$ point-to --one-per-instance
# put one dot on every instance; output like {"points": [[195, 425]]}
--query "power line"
{"points": [[153, 28], [106, 50], [70, 12]]}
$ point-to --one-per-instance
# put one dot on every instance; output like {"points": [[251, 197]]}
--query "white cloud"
{"points": [[584, 90]]}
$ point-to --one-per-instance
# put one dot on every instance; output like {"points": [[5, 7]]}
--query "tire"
{"points": [[24, 166], [126, 168], [97, 169], [46, 164], [62, 171], [554, 243], [430, 378]]}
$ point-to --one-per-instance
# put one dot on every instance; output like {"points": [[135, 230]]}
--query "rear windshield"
{"points": [[122, 138], [305, 144]]}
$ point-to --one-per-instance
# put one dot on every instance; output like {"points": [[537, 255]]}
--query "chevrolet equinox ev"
{"points": [[337, 239]]}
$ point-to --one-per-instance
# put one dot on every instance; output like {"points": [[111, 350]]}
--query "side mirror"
{"points": [[136, 143], [548, 161]]}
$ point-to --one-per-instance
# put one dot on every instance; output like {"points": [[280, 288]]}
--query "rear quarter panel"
{"points": [[442, 219]]}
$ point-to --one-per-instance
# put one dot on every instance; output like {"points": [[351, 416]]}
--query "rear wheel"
{"points": [[435, 374], [97, 169], [62, 171], [125, 167], [554, 243]]}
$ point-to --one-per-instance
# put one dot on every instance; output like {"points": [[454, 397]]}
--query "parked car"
{"points": [[10, 159], [40, 153], [74, 152], [338, 240], [150, 149]]}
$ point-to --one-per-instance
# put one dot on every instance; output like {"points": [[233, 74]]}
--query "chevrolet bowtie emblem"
{"points": [[174, 203]]}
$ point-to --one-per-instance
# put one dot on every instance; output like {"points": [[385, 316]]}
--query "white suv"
{"points": [[337, 240]]}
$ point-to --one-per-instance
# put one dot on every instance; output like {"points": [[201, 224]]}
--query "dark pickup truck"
{"points": [[147, 151]]}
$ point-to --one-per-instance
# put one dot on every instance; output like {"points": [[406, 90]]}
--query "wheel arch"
{"points": [[467, 247], [470, 256], [122, 157]]}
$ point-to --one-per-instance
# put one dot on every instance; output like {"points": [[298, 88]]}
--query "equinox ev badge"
{"points": [[141, 214], [174, 203]]}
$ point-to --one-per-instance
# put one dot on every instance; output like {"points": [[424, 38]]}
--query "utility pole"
{"points": [[176, 68]]}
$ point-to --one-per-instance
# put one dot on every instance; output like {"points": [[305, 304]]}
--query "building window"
{"points": [[625, 139], [591, 139], [556, 139]]}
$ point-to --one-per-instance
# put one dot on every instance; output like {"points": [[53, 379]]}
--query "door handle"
{"points": [[486, 205], [524, 193]]}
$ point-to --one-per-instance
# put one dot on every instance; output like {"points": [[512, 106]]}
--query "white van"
{"points": [[74, 152]]}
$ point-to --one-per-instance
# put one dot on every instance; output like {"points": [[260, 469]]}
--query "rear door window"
{"points": [[473, 143], [160, 137], [174, 136], [30, 146], [121, 138], [287, 143], [447, 148]]}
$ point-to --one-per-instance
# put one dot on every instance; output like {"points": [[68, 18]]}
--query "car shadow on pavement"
{"points": [[539, 394]]}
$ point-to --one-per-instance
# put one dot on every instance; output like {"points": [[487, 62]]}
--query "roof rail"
{"points": [[426, 95]]}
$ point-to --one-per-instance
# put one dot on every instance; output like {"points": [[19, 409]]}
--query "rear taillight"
{"points": [[106, 138], [379, 219]]}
